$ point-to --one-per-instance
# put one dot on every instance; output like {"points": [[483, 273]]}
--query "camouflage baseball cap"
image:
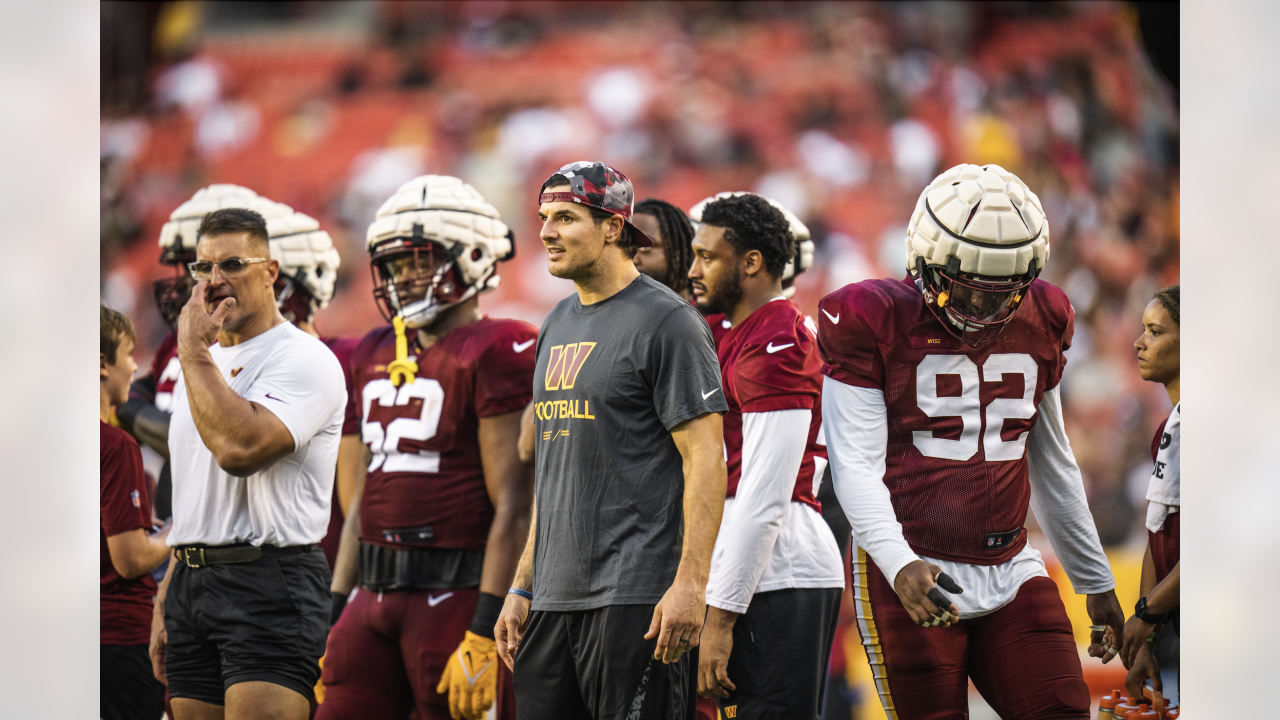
{"points": [[597, 185]]}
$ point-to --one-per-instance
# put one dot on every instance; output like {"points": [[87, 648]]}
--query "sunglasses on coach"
{"points": [[231, 267]]}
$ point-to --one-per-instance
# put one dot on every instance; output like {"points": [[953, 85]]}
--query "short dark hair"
{"points": [[1169, 298], [677, 236], [751, 223], [626, 242], [228, 221], [115, 327]]}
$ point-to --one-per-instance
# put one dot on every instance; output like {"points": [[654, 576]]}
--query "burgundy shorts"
{"points": [[387, 652], [1022, 657]]}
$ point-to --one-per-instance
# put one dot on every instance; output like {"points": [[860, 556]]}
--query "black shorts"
{"points": [[596, 664], [781, 647], [127, 688], [264, 620]]}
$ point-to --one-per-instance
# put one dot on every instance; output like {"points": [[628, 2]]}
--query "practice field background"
{"points": [[841, 111]]}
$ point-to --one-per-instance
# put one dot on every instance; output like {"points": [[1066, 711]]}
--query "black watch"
{"points": [[1140, 612]]}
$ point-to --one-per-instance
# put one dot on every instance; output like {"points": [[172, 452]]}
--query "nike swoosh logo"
{"points": [[835, 319], [772, 349], [276, 399], [709, 394], [521, 347], [434, 600]]}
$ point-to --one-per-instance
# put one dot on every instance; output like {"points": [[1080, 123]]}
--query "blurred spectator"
{"points": [[128, 549]]}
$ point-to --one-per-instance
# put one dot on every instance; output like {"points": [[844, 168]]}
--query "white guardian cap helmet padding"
{"points": [[462, 235], [977, 239]]}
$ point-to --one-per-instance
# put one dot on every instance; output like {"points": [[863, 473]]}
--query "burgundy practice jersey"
{"points": [[164, 370], [342, 349], [770, 362], [958, 416], [719, 327], [425, 485]]}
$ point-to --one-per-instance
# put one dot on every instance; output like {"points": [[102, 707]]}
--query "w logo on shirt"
{"points": [[565, 364]]}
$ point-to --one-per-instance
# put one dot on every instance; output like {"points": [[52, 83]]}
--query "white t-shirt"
{"points": [[299, 380], [1165, 488]]}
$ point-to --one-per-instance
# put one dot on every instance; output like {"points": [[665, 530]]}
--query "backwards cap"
{"points": [[600, 186]]}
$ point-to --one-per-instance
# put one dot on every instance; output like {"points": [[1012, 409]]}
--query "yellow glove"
{"points": [[471, 677]]}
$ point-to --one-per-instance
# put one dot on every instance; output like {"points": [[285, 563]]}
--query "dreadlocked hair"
{"points": [[677, 240], [1168, 297]]}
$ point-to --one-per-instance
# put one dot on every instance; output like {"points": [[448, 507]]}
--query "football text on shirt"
{"points": [[565, 363]]}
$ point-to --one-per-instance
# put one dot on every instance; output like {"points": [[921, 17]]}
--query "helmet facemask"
{"points": [[418, 282], [973, 308], [294, 300], [173, 292]]}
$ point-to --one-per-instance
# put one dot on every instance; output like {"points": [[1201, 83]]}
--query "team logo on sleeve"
{"points": [[565, 363]]}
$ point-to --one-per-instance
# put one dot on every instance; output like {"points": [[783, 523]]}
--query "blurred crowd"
{"points": [[841, 111]]}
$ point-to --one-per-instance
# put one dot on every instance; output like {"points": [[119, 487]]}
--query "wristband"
{"points": [[1140, 611], [488, 608], [522, 593]]}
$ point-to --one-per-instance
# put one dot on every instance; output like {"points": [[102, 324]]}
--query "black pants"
{"points": [[265, 620], [781, 647], [596, 665], [128, 690]]}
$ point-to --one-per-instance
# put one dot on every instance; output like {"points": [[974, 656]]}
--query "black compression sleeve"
{"points": [[488, 608]]}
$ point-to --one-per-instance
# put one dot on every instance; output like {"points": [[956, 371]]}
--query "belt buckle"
{"points": [[187, 557]]}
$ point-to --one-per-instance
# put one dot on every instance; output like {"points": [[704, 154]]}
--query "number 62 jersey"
{"points": [[425, 484], [958, 416]]}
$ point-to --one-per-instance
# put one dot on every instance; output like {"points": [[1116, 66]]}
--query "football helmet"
{"points": [[178, 241], [434, 244], [308, 263], [976, 241], [803, 259]]}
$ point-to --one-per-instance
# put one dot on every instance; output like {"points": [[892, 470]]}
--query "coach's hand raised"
{"points": [[512, 623], [197, 327], [677, 619]]}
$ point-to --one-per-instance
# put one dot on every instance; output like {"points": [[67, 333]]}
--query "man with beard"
{"points": [[776, 578]]}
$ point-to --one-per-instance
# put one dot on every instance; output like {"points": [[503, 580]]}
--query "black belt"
{"points": [[196, 556]]}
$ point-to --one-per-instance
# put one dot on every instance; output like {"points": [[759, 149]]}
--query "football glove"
{"points": [[470, 679]]}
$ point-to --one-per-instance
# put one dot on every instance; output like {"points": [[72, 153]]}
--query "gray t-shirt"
{"points": [[613, 378]]}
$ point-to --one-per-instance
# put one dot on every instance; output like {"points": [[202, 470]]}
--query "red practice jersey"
{"points": [[958, 416], [719, 327], [770, 362], [164, 370], [425, 486], [125, 606], [342, 349]]}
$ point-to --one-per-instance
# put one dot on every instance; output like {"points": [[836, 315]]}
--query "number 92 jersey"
{"points": [[958, 416], [425, 485]]}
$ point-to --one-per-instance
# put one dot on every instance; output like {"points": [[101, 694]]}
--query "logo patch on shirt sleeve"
{"points": [[137, 499]]}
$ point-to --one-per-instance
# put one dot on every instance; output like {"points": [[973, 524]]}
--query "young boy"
{"points": [[128, 551]]}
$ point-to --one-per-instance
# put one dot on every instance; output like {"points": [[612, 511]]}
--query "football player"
{"points": [[943, 422], [670, 256], [776, 578], [801, 261], [441, 518]]}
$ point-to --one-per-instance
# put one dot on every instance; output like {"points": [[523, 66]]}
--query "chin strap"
{"points": [[402, 368]]}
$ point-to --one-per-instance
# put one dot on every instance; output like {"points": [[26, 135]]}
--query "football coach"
{"points": [[610, 593], [243, 613]]}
